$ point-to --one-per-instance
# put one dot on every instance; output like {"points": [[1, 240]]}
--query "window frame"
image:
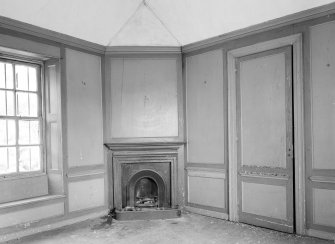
{"points": [[41, 116]]}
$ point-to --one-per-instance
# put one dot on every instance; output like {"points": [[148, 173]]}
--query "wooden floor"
{"points": [[190, 228]]}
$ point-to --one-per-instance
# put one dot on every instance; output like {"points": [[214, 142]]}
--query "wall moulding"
{"points": [[206, 173], [323, 179]]}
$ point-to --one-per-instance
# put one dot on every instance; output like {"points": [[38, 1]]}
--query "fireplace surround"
{"points": [[145, 180]]}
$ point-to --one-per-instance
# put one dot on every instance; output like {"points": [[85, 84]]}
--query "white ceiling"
{"points": [[149, 22]]}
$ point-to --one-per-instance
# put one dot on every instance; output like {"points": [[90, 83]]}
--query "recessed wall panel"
{"points": [[324, 207], [206, 190], [263, 121], [205, 108], [86, 194], [264, 200], [144, 101], [323, 95], [84, 109]]}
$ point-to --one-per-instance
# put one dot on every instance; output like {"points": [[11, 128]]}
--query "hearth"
{"points": [[144, 182]]}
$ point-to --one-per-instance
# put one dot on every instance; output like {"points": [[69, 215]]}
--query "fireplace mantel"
{"points": [[143, 146]]}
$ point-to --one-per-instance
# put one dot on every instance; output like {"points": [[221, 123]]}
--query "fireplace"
{"points": [[144, 181]]}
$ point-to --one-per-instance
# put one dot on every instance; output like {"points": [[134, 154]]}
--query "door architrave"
{"points": [[298, 105]]}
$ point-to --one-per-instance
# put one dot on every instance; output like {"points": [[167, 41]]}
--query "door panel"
{"points": [[265, 136]]}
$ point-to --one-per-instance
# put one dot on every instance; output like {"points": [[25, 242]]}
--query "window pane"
{"points": [[21, 73], [34, 132], [11, 132], [22, 106], [3, 132], [7, 132], [32, 79], [33, 105], [2, 103], [2, 75], [12, 159], [10, 103], [24, 159], [23, 132], [3, 160], [30, 159], [9, 76], [7, 160], [35, 158], [29, 132], [9, 96]]}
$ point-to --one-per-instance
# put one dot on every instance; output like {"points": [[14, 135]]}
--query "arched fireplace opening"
{"points": [[147, 189], [146, 193]]}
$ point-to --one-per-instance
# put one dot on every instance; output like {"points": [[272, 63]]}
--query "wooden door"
{"points": [[265, 139]]}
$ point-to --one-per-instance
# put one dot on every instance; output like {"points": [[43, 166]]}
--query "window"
{"points": [[20, 118]]}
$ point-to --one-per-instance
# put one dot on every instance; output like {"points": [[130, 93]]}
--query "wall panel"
{"points": [[321, 169], [205, 107], [84, 109], [323, 95], [324, 207], [199, 183], [86, 194], [144, 97], [264, 200]]}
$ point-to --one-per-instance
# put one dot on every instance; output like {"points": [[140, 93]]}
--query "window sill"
{"points": [[30, 201]]}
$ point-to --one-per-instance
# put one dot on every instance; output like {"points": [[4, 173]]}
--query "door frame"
{"points": [[298, 116]]}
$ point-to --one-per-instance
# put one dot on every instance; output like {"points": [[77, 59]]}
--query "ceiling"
{"points": [[149, 22]]}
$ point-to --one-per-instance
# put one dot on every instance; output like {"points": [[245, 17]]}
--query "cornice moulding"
{"points": [[53, 36], [265, 26], [22, 27], [112, 50]]}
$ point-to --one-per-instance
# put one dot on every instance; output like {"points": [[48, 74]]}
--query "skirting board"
{"points": [[321, 234], [207, 212], [47, 227]]}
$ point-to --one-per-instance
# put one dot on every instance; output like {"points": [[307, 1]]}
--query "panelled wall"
{"points": [[206, 155], [206, 82], [75, 168]]}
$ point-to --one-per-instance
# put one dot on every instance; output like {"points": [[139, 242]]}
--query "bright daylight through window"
{"points": [[20, 118]]}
